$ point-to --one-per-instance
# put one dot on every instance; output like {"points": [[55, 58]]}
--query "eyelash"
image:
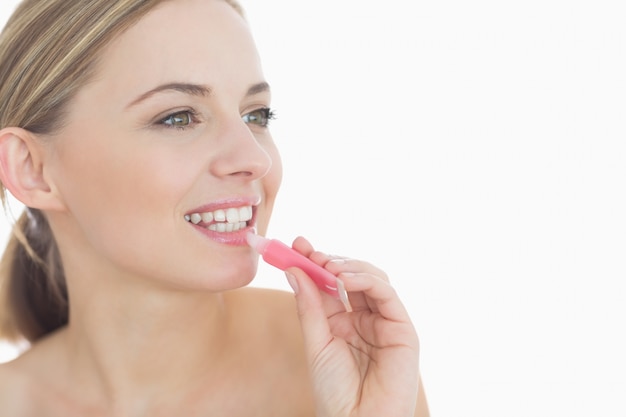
{"points": [[263, 120], [267, 115]]}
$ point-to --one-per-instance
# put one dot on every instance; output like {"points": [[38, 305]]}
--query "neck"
{"points": [[133, 341]]}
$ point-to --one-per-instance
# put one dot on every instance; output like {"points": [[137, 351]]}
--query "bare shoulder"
{"points": [[274, 308], [25, 382], [272, 317], [14, 386], [274, 338]]}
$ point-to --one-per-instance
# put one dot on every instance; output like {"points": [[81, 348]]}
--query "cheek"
{"points": [[120, 204], [112, 187]]}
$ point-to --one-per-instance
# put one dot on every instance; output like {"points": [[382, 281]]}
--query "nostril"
{"points": [[242, 174]]}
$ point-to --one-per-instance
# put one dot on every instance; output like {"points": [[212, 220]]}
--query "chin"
{"points": [[226, 279]]}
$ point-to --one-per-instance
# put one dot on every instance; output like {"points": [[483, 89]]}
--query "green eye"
{"points": [[260, 117], [180, 119]]}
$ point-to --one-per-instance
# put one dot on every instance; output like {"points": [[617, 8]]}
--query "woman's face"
{"points": [[168, 139]]}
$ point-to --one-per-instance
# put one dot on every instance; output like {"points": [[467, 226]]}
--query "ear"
{"points": [[22, 160]]}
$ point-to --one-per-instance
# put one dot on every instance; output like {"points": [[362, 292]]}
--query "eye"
{"points": [[260, 117], [178, 120]]}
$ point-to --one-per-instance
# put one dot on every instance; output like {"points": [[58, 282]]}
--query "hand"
{"points": [[365, 362]]}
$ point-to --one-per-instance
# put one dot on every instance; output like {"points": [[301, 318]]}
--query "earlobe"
{"points": [[21, 169]]}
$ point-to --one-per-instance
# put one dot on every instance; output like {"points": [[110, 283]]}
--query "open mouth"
{"points": [[223, 220]]}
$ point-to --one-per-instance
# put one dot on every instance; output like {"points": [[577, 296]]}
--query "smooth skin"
{"points": [[161, 322]]}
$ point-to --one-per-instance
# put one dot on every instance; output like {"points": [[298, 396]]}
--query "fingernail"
{"points": [[291, 279], [343, 295], [338, 261]]}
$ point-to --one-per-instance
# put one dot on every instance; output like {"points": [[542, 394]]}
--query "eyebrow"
{"points": [[194, 90], [258, 88]]}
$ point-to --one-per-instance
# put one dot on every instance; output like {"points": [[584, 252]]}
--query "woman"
{"points": [[129, 130]]}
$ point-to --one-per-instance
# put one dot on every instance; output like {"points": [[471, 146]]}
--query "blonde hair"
{"points": [[48, 50]]}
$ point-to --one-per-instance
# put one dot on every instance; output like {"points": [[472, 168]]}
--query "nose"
{"points": [[240, 154]]}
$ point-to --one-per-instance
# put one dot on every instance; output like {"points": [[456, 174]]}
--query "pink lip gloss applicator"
{"points": [[277, 254]]}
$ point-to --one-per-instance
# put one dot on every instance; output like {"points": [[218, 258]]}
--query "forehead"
{"points": [[200, 41]]}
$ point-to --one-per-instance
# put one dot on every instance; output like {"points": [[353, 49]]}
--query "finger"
{"points": [[337, 265], [379, 292], [311, 312], [303, 246]]}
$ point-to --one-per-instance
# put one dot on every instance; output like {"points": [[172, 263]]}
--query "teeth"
{"points": [[226, 227], [232, 215], [245, 213], [219, 215], [229, 220]]}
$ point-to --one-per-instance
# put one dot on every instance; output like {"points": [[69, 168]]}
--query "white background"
{"points": [[474, 150]]}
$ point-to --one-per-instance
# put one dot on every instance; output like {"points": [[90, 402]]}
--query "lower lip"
{"points": [[237, 238]]}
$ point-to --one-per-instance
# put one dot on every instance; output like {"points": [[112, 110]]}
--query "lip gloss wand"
{"points": [[278, 254]]}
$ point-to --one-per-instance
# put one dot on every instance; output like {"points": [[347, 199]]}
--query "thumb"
{"points": [[313, 320]]}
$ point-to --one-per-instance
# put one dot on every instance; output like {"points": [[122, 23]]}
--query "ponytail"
{"points": [[33, 293]]}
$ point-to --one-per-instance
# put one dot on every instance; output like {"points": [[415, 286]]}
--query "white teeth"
{"points": [[219, 215], [232, 215], [223, 220], [245, 214], [226, 227]]}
